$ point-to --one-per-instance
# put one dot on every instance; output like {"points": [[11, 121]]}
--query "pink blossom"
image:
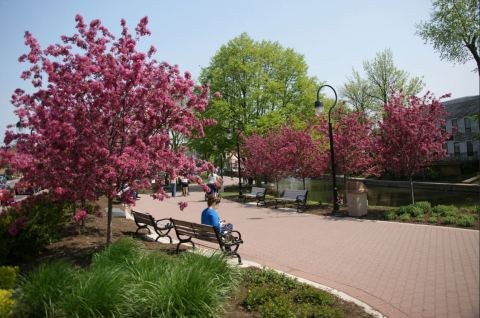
{"points": [[217, 95], [182, 205], [80, 217], [205, 188]]}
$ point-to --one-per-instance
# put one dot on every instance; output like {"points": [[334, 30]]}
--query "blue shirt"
{"points": [[210, 217]]}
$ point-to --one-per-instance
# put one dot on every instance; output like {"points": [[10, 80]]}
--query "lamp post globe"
{"points": [[318, 109]]}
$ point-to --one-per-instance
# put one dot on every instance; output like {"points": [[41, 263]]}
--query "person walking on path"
{"points": [[213, 183], [173, 186], [184, 185]]}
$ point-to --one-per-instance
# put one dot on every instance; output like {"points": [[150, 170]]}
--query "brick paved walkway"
{"points": [[401, 270]]}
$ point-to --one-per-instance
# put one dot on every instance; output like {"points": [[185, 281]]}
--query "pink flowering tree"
{"points": [[262, 158], [100, 115], [355, 144], [303, 155], [282, 152], [412, 134]]}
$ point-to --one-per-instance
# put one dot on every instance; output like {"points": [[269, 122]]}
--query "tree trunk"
{"points": [[74, 208], [109, 221], [411, 190], [303, 180]]}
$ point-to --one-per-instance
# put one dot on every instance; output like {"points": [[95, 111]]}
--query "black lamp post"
{"points": [[318, 108], [229, 136]]}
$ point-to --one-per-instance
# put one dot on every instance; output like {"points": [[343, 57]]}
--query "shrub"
{"points": [[29, 226], [449, 219], [432, 219], [278, 307], [445, 210], [315, 311], [6, 303], [260, 295], [424, 205], [8, 277], [390, 215], [275, 295], [411, 209], [465, 220], [309, 295], [405, 217], [268, 276]]}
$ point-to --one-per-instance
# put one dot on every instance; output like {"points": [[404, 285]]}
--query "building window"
{"points": [[454, 126], [468, 124], [469, 148], [456, 149]]}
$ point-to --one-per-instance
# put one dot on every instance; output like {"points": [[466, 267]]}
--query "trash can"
{"points": [[357, 198]]}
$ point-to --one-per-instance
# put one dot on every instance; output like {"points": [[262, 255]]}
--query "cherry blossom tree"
{"points": [[412, 134], [100, 113], [303, 155], [355, 145], [262, 158], [285, 151]]}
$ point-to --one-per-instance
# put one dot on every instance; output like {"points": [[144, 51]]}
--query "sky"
{"points": [[333, 36]]}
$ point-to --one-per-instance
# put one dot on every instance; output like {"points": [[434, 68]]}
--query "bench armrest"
{"points": [[236, 236], [301, 198], [164, 224]]}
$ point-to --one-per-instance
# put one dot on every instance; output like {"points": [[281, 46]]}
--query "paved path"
{"points": [[401, 270]]}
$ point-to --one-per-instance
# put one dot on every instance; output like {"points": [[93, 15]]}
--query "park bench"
{"points": [[256, 193], [144, 221], [186, 231], [296, 196]]}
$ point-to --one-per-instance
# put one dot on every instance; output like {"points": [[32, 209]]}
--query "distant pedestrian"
{"points": [[214, 183], [173, 186], [184, 184]]}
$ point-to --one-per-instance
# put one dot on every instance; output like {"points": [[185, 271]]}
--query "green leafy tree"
{"points": [[356, 92], [454, 30], [382, 78], [262, 84]]}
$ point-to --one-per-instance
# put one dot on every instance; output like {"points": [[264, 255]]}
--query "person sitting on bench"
{"points": [[210, 217]]}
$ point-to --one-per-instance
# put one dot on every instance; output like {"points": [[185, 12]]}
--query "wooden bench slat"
{"points": [[297, 196], [143, 220], [256, 193], [205, 233]]}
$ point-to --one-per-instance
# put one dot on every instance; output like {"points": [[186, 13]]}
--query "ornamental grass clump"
{"points": [[126, 280]]}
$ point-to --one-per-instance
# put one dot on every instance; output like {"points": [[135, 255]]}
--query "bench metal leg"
{"points": [[180, 242], [239, 258], [142, 227]]}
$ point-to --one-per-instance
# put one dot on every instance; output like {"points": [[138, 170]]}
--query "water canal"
{"points": [[321, 190]]}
